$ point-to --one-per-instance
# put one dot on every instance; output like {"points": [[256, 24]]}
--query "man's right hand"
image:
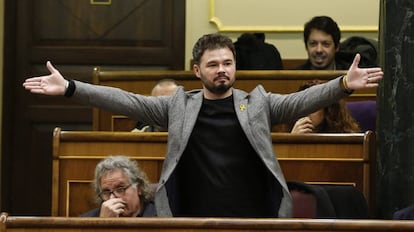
{"points": [[53, 84]]}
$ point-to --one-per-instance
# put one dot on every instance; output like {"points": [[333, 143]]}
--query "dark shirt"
{"points": [[148, 211], [220, 174]]}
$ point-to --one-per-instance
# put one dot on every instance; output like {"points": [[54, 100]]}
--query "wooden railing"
{"points": [[346, 159], [72, 224]]}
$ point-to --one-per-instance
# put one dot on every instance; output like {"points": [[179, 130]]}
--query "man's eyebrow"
{"points": [[119, 184]]}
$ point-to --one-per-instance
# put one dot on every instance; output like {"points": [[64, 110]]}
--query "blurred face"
{"points": [[115, 179], [164, 90], [321, 50], [217, 70], [317, 117]]}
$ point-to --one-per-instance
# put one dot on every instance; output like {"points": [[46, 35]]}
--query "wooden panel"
{"points": [[276, 81], [292, 63], [314, 158], [134, 32], [80, 191], [76, 36], [66, 224], [122, 123]]}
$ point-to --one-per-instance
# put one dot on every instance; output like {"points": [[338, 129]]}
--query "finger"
{"points": [[308, 121], [374, 77], [31, 84], [376, 70], [33, 79], [50, 67], [306, 130], [355, 63], [120, 212], [306, 126], [304, 120], [119, 205], [309, 127]]}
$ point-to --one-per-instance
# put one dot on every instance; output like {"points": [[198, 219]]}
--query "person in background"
{"points": [[122, 189], [164, 87], [220, 160], [253, 53], [322, 41], [334, 118]]}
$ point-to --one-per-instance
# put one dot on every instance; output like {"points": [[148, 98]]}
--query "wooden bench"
{"points": [[292, 64], [313, 158], [276, 81], [73, 224]]}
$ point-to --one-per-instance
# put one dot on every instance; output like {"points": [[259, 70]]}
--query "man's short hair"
{"points": [[325, 24], [210, 42]]}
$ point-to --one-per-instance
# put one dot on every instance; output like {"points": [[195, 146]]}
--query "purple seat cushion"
{"points": [[365, 113]]}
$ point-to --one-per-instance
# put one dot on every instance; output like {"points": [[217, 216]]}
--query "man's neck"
{"points": [[215, 96]]}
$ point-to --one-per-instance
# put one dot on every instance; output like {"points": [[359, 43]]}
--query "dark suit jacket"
{"points": [[149, 211]]}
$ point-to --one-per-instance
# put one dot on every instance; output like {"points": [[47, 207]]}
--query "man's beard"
{"points": [[218, 89]]}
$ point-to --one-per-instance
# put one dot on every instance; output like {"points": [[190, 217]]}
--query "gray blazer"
{"points": [[256, 111]]}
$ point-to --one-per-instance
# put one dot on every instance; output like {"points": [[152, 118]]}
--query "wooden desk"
{"points": [[66, 224], [276, 81], [312, 158]]}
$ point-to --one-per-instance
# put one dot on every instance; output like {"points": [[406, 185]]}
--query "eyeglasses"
{"points": [[118, 192]]}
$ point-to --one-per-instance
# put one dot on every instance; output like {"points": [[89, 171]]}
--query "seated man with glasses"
{"points": [[122, 190]]}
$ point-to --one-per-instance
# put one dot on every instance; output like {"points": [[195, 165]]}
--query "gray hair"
{"points": [[131, 170]]}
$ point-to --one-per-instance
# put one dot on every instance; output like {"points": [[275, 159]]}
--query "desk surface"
{"points": [[28, 224]]}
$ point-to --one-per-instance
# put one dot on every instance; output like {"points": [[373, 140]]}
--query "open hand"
{"points": [[359, 78], [53, 84]]}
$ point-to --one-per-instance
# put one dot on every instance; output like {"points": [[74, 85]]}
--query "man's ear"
{"points": [[196, 70]]}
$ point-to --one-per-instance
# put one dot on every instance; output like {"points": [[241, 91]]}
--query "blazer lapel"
{"points": [[190, 116], [242, 111]]}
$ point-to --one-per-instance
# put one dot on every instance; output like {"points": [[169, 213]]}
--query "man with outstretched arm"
{"points": [[220, 160]]}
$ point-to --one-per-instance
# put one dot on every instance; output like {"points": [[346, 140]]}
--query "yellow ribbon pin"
{"points": [[242, 107]]}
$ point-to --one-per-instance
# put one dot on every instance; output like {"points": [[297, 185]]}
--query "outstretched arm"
{"points": [[52, 84], [359, 78]]}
